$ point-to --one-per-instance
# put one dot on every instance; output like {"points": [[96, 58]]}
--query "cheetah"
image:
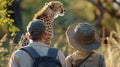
{"points": [[47, 14]]}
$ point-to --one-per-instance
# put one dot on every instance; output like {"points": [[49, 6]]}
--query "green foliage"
{"points": [[5, 22], [6, 26]]}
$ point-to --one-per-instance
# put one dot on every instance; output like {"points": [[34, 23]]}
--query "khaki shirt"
{"points": [[95, 60], [21, 59]]}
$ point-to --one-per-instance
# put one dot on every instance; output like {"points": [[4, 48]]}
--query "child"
{"points": [[84, 38]]}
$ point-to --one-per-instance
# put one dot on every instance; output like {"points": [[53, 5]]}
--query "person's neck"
{"points": [[84, 53], [36, 41]]}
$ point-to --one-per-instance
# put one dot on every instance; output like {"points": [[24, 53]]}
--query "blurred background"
{"points": [[103, 14]]}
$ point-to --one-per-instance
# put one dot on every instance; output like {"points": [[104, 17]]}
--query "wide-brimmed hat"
{"points": [[83, 37]]}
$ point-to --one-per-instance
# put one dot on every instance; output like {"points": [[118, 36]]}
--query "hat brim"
{"points": [[70, 33]]}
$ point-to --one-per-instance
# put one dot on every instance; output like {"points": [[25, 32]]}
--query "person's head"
{"points": [[83, 37], [36, 30]]}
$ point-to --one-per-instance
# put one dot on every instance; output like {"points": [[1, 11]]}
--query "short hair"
{"points": [[36, 29]]}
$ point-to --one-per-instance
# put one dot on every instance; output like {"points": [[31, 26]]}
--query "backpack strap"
{"points": [[52, 52], [31, 51], [79, 63]]}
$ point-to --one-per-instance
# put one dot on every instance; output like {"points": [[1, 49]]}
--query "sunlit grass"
{"points": [[111, 51]]}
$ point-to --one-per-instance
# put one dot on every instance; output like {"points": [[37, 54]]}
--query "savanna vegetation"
{"points": [[103, 14]]}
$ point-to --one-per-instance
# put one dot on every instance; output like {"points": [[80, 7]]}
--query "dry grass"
{"points": [[111, 51]]}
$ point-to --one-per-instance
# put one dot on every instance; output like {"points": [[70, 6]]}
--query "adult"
{"points": [[36, 34]]}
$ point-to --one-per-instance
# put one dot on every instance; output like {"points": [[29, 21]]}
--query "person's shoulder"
{"points": [[19, 52], [60, 53], [71, 56], [55, 49], [16, 53], [98, 55]]}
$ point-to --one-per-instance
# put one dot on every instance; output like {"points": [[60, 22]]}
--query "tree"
{"points": [[103, 7]]}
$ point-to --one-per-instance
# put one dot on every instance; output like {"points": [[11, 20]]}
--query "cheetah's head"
{"points": [[56, 7]]}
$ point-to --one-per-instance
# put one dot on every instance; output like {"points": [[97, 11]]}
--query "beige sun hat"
{"points": [[83, 37]]}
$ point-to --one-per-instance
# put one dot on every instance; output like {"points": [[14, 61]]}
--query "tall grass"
{"points": [[111, 50]]}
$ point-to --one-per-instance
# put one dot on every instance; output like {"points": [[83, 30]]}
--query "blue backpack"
{"points": [[43, 61]]}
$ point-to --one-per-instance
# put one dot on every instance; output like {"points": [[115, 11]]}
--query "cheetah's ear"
{"points": [[52, 5], [46, 3]]}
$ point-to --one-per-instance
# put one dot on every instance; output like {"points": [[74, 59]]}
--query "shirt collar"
{"points": [[38, 44]]}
